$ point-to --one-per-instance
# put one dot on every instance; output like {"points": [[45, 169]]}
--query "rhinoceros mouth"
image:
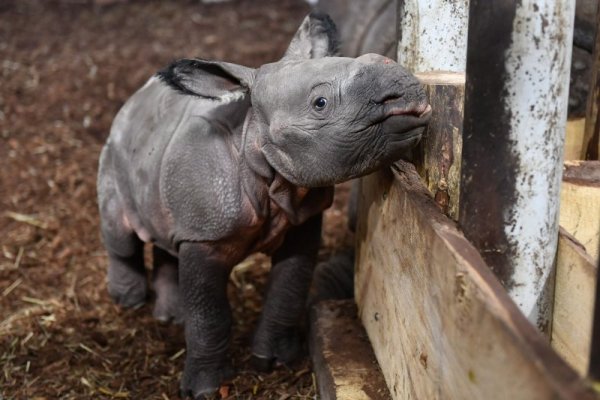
{"points": [[415, 110], [395, 107]]}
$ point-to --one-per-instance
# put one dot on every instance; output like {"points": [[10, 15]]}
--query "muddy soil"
{"points": [[65, 69]]}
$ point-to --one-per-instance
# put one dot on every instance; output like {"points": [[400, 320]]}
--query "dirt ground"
{"points": [[65, 69]]}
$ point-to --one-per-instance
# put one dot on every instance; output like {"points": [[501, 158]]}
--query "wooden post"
{"points": [[515, 115], [438, 155], [432, 42], [591, 140]]}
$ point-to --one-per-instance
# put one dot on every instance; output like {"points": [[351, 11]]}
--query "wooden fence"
{"points": [[464, 282]]}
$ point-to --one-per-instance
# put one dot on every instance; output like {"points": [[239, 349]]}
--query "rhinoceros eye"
{"points": [[320, 103]]}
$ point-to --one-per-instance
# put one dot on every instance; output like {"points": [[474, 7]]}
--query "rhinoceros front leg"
{"points": [[277, 334], [202, 284]]}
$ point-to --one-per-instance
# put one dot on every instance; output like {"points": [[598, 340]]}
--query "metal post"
{"points": [[432, 35], [517, 85]]}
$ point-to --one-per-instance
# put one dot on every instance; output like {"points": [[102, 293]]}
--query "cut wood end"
{"points": [[441, 78], [582, 172], [576, 246]]}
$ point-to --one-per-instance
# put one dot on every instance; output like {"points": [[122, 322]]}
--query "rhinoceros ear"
{"points": [[316, 38], [209, 79]]}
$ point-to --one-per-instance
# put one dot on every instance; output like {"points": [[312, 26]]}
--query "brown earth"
{"points": [[65, 69]]}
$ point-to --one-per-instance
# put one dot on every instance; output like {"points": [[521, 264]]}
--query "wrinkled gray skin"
{"points": [[212, 161]]}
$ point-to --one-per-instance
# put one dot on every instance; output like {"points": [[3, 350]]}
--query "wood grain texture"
{"points": [[439, 153], [441, 325], [574, 296], [580, 204], [574, 139], [343, 360]]}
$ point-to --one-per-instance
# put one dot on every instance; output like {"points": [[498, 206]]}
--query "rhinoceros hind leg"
{"points": [[164, 280], [127, 282]]}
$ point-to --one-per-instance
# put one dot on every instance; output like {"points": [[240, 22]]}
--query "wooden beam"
{"points": [[342, 357], [439, 321], [438, 155], [574, 296], [580, 203]]}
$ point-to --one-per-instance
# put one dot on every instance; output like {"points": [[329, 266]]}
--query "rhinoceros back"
{"points": [[161, 145]]}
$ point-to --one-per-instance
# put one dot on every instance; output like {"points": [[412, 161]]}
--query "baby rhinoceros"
{"points": [[212, 161]]}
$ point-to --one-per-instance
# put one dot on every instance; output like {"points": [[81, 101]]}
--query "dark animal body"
{"points": [[369, 26], [365, 26], [211, 161]]}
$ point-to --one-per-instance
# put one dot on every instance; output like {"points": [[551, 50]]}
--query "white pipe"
{"points": [[433, 35], [538, 66]]}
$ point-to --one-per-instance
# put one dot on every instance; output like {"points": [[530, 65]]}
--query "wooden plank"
{"points": [[574, 296], [343, 360], [438, 155], [574, 139], [580, 203], [439, 321]]}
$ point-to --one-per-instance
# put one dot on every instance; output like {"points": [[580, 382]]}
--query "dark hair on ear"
{"points": [[168, 75], [176, 73], [327, 26]]}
